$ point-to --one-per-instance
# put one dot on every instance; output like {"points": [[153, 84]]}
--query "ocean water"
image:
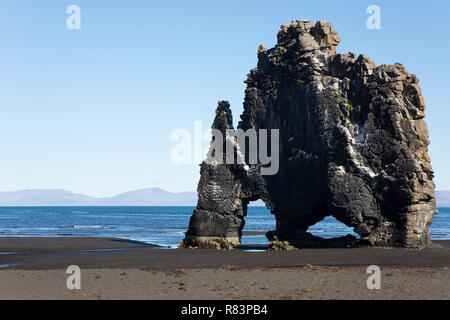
{"points": [[163, 226]]}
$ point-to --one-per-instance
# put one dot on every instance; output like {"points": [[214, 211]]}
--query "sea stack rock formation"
{"points": [[352, 145]]}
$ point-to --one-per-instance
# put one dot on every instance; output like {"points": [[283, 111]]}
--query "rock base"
{"points": [[210, 243]]}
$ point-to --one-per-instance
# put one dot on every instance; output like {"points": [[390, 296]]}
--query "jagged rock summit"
{"points": [[352, 144]]}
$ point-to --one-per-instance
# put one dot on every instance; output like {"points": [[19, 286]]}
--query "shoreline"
{"points": [[111, 268], [91, 252]]}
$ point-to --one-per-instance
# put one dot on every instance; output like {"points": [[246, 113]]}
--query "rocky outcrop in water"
{"points": [[353, 145]]}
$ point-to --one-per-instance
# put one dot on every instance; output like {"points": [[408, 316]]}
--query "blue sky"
{"points": [[92, 110]]}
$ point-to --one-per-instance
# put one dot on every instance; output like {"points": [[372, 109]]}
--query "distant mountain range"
{"points": [[443, 198], [142, 197]]}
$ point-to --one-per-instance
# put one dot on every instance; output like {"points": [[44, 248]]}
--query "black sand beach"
{"points": [[35, 268], [56, 253]]}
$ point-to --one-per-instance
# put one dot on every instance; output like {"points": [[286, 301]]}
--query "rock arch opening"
{"points": [[330, 228], [258, 221]]}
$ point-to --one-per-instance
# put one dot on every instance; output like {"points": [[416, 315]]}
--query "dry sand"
{"points": [[129, 270], [227, 283]]}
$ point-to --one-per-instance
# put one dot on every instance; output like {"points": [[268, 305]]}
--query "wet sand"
{"points": [[34, 268]]}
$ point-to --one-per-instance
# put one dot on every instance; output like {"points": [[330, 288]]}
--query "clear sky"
{"points": [[93, 110]]}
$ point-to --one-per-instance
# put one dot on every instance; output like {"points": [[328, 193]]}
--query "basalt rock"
{"points": [[353, 145]]}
